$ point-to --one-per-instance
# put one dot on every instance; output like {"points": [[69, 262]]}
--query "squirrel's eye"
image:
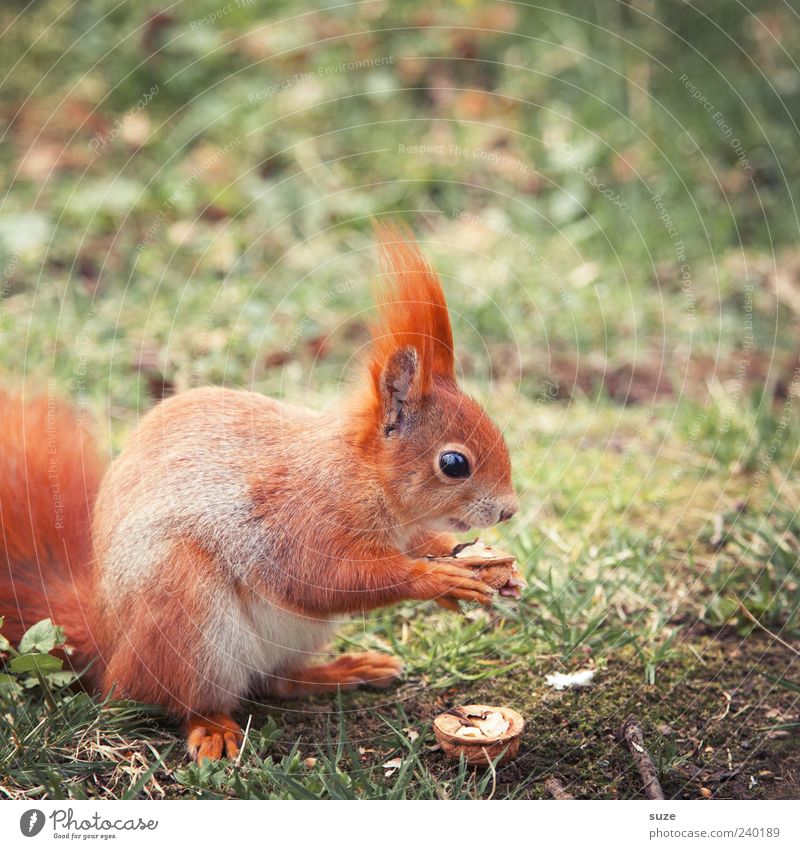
{"points": [[454, 465]]}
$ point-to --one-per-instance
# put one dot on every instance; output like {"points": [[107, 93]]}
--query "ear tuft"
{"points": [[412, 310]]}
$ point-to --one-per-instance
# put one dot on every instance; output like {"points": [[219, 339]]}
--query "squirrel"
{"points": [[213, 557]]}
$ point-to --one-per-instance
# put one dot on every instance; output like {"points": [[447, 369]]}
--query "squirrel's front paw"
{"points": [[435, 581]]}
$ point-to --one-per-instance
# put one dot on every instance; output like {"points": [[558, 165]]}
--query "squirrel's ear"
{"points": [[397, 383]]}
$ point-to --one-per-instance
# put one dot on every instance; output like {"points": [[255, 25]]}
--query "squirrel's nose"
{"points": [[507, 506], [506, 514]]}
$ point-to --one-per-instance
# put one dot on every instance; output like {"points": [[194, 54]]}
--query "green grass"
{"points": [[638, 347]]}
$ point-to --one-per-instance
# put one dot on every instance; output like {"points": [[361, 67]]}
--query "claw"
{"points": [[212, 738]]}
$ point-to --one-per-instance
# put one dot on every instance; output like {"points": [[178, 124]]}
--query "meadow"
{"points": [[608, 191]]}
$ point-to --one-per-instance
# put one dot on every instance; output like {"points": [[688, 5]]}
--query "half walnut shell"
{"points": [[481, 733], [497, 568]]}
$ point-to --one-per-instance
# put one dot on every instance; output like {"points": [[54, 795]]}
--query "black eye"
{"points": [[454, 465]]}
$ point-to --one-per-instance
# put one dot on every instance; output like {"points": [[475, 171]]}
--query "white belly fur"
{"points": [[247, 644]]}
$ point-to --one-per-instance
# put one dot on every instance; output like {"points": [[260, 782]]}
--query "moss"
{"points": [[697, 735]]}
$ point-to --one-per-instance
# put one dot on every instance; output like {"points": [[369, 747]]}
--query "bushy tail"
{"points": [[49, 476]]}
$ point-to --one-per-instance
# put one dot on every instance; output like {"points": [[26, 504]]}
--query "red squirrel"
{"points": [[217, 552]]}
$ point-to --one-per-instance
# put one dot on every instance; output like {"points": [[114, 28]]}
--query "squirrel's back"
{"points": [[191, 556], [183, 470], [188, 471]]}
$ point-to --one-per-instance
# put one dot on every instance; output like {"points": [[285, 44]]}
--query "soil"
{"points": [[712, 724]]}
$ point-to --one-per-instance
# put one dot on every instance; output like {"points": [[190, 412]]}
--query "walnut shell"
{"points": [[478, 750], [497, 568]]}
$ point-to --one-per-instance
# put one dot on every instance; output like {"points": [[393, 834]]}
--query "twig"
{"points": [[631, 733], [556, 789]]}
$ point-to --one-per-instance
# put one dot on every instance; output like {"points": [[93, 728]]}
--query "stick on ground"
{"points": [[556, 789], [631, 733]]}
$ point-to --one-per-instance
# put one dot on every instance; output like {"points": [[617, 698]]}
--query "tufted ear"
{"points": [[397, 384], [412, 311]]}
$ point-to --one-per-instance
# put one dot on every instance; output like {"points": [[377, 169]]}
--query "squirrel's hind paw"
{"points": [[213, 737], [347, 672]]}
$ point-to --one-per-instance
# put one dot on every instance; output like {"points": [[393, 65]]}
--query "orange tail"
{"points": [[49, 476]]}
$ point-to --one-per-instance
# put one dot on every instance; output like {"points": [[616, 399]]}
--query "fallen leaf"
{"points": [[392, 765]]}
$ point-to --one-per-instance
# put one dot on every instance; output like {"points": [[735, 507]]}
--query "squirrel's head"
{"points": [[442, 462]]}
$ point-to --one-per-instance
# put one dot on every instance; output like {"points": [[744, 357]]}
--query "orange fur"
{"points": [[49, 477], [347, 672], [152, 639], [213, 737], [232, 529], [412, 310]]}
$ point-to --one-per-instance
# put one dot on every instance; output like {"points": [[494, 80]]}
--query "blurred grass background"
{"points": [[605, 188], [608, 190], [236, 197]]}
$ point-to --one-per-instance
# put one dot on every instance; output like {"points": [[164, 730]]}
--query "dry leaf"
{"points": [[392, 765]]}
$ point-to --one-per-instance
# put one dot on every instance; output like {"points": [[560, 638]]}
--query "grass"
{"points": [[187, 202]]}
